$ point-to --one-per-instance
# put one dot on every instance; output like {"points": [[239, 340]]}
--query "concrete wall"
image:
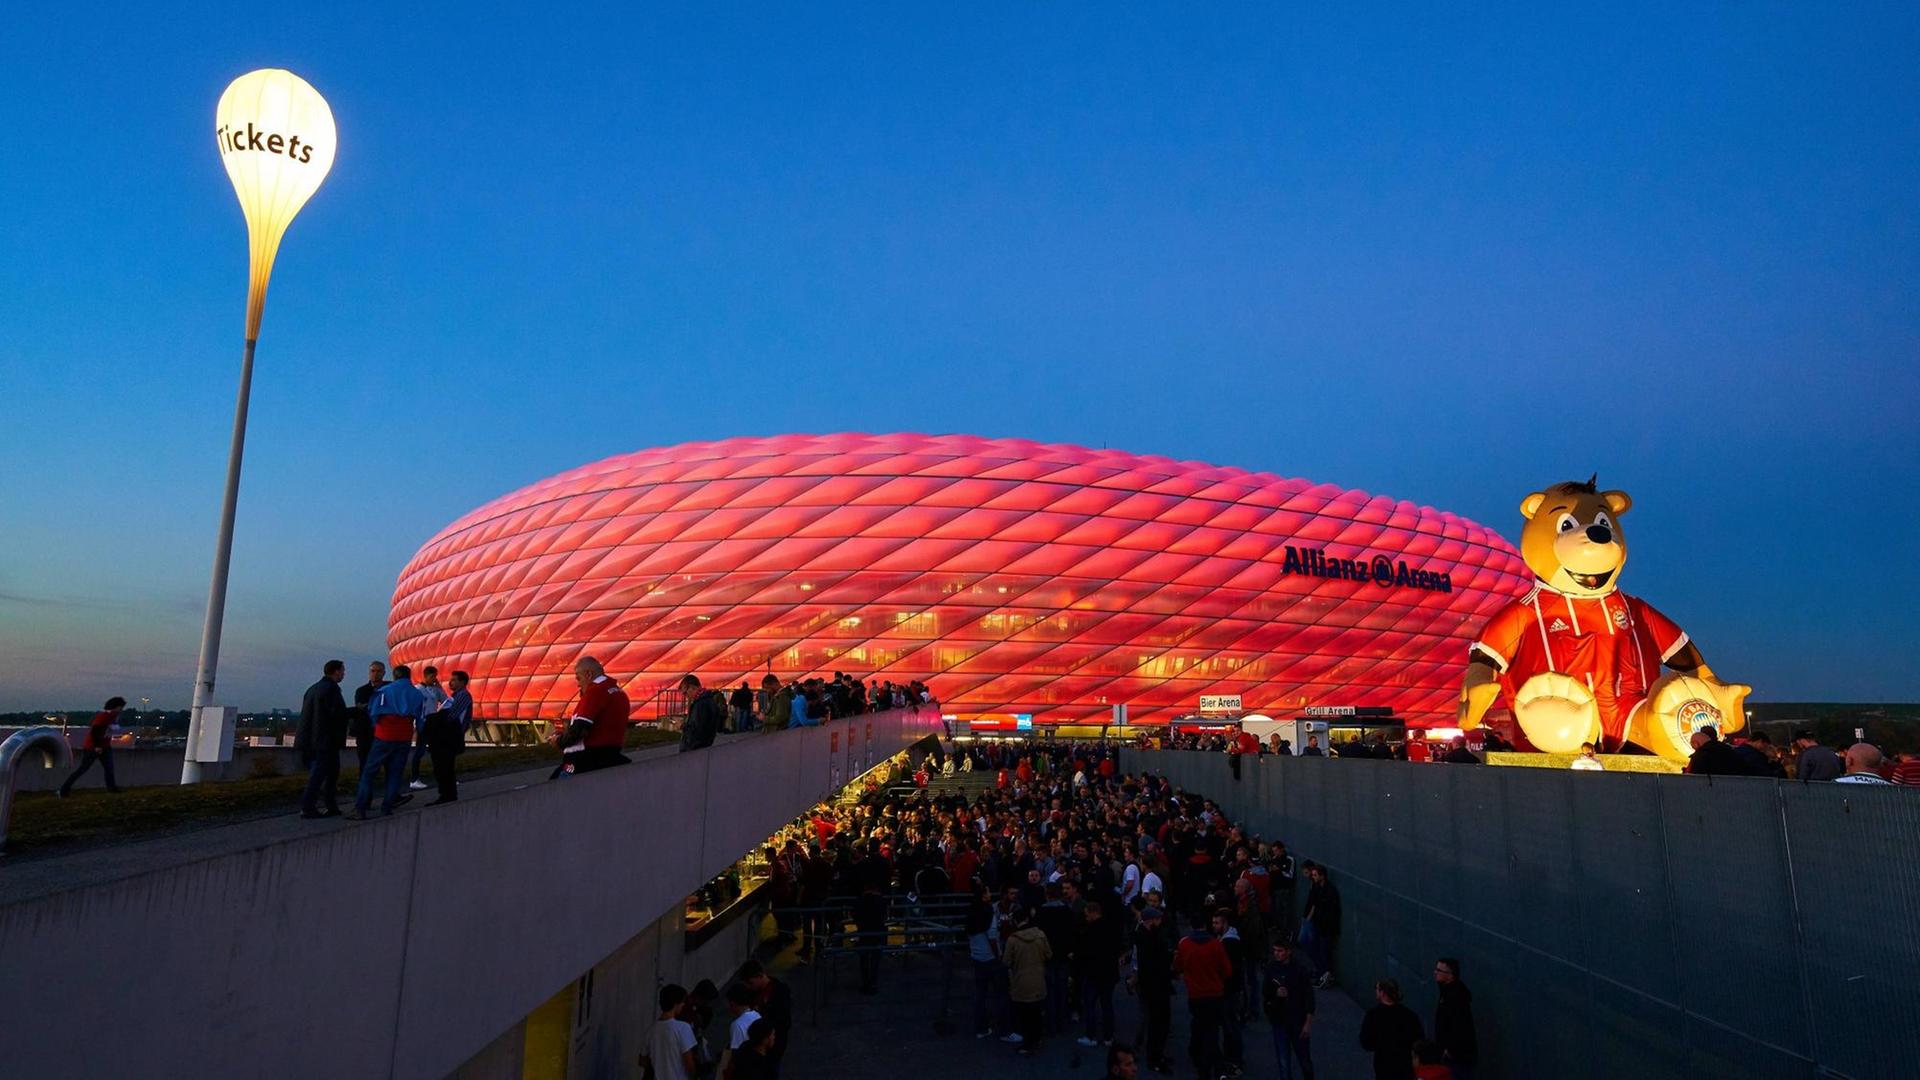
{"points": [[609, 1010], [399, 947], [1614, 924]]}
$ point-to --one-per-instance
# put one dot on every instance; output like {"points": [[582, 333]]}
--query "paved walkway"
{"points": [[26, 876], [901, 1032]]}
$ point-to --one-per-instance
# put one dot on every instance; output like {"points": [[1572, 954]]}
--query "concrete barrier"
{"points": [[398, 947], [1613, 924]]}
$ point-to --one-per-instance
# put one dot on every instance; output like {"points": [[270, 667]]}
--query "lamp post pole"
{"points": [[222, 559], [277, 140]]}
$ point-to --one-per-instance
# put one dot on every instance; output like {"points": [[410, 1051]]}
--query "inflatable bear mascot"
{"points": [[1577, 659]]}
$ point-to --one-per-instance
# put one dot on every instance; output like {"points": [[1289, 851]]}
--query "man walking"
{"points": [[1202, 961], [1389, 1031], [595, 735], [1153, 978], [1097, 950], [1320, 923], [360, 723], [98, 746], [1287, 994], [321, 737], [1453, 1020], [395, 710], [1026, 957], [436, 697], [446, 736]]}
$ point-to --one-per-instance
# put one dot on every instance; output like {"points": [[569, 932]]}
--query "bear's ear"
{"points": [[1617, 501], [1530, 505]]}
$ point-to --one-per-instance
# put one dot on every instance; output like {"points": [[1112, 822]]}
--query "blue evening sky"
{"points": [[1445, 255]]}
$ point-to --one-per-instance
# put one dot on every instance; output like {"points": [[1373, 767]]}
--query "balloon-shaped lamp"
{"points": [[276, 138]]}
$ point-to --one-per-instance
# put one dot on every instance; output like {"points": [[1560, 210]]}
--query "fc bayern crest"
{"points": [[1620, 617], [1694, 714]]}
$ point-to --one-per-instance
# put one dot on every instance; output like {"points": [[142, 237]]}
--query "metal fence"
{"points": [[1614, 924]]}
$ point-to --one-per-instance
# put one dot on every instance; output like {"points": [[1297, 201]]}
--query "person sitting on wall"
{"points": [[1588, 761], [594, 736]]}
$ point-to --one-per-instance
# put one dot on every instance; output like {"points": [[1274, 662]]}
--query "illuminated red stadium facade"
{"points": [[1013, 577]]}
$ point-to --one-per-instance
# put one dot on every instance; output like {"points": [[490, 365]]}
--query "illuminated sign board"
{"points": [[1219, 703], [1315, 562]]}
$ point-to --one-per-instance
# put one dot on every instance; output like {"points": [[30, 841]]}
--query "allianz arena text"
{"points": [[1014, 577]]}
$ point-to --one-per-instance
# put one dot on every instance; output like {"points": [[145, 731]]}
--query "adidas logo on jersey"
{"points": [[1558, 625]]}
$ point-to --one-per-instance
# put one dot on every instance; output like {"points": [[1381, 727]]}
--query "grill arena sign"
{"points": [[1382, 571]]}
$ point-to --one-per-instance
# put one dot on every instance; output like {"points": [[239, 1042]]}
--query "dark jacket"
{"points": [[1096, 950], [1289, 1010], [705, 715], [1820, 763], [1453, 1024], [360, 724], [1390, 1031], [1153, 957], [1323, 905], [1757, 763], [1055, 919], [323, 721], [1715, 758]]}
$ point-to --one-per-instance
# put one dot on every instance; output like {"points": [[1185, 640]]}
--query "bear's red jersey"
{"points": [[1614, 643]]}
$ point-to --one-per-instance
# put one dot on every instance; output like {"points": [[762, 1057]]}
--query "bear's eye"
{"points": [[1567, 524], [1604, 520]]}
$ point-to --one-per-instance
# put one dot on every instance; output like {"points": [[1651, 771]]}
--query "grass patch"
{"points": [[44, 822]]}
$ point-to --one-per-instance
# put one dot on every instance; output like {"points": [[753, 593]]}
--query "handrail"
{"points": [[54, 750]]}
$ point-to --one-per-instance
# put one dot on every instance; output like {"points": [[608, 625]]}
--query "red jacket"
{"points": [[1204, 965], [100, 731]]}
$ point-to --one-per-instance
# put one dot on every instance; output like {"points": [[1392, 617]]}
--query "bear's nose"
{"points": [[1600, 534]]}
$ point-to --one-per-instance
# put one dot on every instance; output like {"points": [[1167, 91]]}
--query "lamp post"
{"points": [[277, 141]]}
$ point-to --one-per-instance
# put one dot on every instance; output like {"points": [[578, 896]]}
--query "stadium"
{"points": [[1019, 579]]}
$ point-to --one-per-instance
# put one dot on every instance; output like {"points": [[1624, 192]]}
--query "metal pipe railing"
{"points": [[53, 749]]}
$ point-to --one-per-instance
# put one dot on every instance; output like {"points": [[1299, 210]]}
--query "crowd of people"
{"points": [[775, 705], [1741, 753], [1084, 883], [759, 1016], [395, 722]]}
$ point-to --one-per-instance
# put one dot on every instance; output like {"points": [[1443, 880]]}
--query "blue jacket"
{"points": [[398, 698], [798, 717], [459, 709]]}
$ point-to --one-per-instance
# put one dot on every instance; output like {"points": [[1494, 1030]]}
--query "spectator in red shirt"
{"points": [[1907, 769], [962, 864], [595, 735], [1202, 960], [98, 745]]}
